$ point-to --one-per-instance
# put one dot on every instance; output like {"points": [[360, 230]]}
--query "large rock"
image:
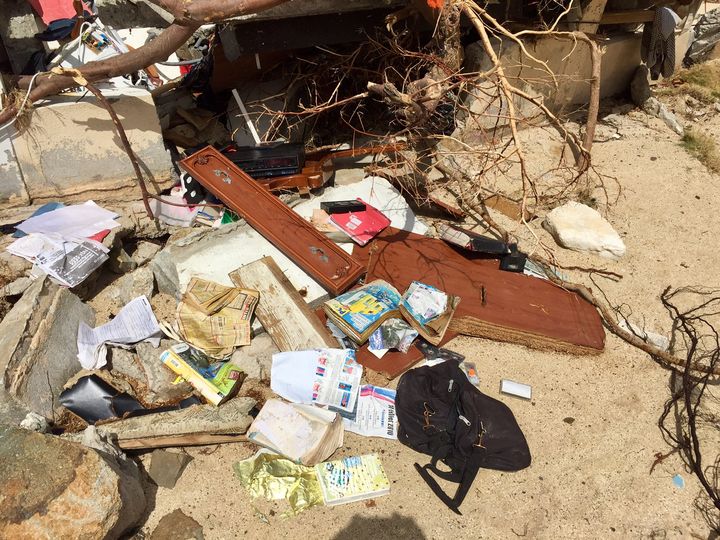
{"points": [[38, 344], [151, 381], [53, 488], [581, 228], [256, 359]]}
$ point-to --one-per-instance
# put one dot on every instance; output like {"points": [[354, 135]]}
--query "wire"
{"points": [[22, 106]]}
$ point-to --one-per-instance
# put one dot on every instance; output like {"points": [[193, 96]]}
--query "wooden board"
{"points": [[334, 269], [170, 441], [281, 310], [494, 304]]}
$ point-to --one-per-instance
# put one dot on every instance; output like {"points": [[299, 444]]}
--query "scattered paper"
{"points": [[215, 318], [322, 376], [375, 413], [134, 323], [76, 221]]}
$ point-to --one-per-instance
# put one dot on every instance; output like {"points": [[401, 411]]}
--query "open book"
{"points": [[303, 433]]}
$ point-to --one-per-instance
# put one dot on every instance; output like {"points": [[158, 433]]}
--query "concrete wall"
{"points": [[71, 152]]}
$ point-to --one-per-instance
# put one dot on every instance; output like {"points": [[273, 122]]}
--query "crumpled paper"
{"points": [[274, 477]]}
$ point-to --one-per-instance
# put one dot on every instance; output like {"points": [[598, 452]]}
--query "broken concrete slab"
{"points": [[152, 382], [17, 287], [581, 228], [38, 344], [212, 254], [256, 359], [54, 488], [124, 289], [12, 188], [175, 526], [167, 467], [168, 428], [65, 128]]}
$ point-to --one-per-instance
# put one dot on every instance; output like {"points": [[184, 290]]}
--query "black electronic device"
{"points": [[342, 207], [265, 161]]}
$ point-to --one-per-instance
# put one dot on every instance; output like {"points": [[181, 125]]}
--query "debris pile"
{"points": [[216, 268]]}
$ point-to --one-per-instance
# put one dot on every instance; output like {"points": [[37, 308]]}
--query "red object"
{"points": [[436, 4], [53, 10], [361, 226], [99, 236]]}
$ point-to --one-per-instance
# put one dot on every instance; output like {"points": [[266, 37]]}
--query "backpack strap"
{"points": [[463, 477]]}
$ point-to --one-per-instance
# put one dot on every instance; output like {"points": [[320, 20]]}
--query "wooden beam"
{"points": [[170, 441], [281, 310], [628, 16], [591, 14]]}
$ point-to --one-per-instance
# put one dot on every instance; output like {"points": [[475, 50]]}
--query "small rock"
{"points": [[17, 287], [640, 86], [177, 526], [581, 228], [144, 252], [167, 467], [655, 108], [35, 422], [53, 488], [120, 262], [569, 420], [717, 106]]}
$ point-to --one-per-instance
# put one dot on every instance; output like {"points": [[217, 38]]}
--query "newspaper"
{"points": [[374, 414], [322, 376], [134, 323], [70, 262], [215, 318]]}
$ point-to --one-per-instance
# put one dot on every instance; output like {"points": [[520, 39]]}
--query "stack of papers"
{"points": [[59, 242]]}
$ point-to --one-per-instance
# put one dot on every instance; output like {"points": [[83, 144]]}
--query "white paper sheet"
{"points": [[321, 376], [76, 221], [134, 323]]}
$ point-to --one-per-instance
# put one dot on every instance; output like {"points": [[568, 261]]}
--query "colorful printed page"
{"points": [[352, 479], [364, 306], [322, 376]]}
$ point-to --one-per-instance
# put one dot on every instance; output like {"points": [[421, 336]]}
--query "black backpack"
{"points": [[443, 415]]}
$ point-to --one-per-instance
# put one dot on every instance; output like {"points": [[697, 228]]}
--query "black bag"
{"points": [[443, 415]]}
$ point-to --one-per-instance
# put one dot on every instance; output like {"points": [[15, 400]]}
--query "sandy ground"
{"points": [[592, 422]]}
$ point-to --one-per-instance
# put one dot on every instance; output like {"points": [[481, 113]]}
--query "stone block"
{"points": [[54, 488], [38, 344], [167, 467]]}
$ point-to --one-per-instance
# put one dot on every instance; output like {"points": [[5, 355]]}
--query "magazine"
{"points": [[361, 311], [374, 414]]}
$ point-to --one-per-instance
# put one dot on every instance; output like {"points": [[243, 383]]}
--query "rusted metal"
{"points": [[334, 269]]}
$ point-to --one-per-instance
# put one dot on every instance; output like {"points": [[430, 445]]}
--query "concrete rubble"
{"points": [[64, 477], [38, 344], [53, 488]]}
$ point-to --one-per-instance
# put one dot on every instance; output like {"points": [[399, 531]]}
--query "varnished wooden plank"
{"points": [[281, 310]]}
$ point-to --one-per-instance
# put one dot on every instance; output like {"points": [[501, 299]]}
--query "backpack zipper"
{"points": [[465, 420], [450, 386]]}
